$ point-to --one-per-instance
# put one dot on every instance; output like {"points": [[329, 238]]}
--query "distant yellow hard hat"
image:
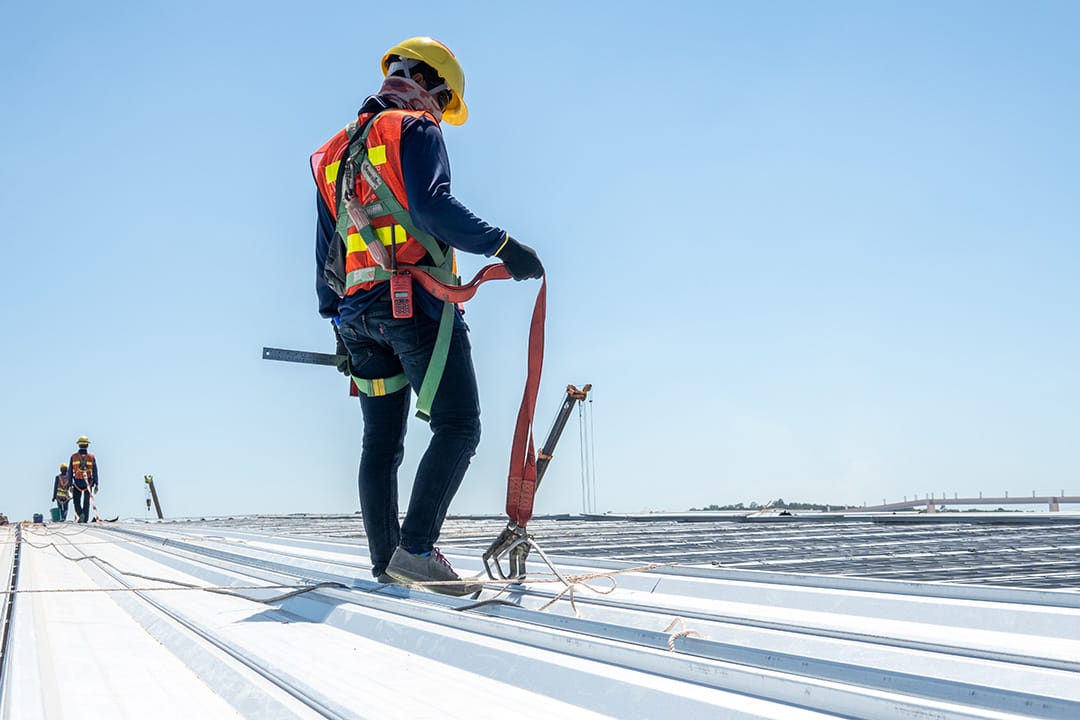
{"points": [[63, 467], [83, 440], [438, 56]]}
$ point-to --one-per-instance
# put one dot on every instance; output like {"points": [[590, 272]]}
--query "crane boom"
{"points": [[573, 396], [149, 479]]}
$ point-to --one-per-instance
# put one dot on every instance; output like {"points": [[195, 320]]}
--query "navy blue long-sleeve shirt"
{"points": [[432, 207]]}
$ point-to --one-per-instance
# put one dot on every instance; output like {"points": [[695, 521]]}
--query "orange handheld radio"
{"points": [[400, 285], [401, 293]]}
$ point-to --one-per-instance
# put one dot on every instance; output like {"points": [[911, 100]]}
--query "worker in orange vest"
{"points": [[61, 491], [83, 468], [384, 199]]}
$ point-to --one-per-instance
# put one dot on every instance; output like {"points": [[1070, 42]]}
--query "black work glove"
{"points": [[520, 260], [343, 354]]}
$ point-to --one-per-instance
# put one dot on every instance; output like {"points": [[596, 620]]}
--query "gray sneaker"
{"points": [[409, 568]]}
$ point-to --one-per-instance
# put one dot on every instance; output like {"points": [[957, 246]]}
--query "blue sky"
{"points": [[820, 251]]}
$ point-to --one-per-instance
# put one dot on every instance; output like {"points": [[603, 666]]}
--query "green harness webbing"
{"points": [[355, 156], [381, 386]]}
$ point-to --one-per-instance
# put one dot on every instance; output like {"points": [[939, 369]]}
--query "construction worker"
{"points": [[399, 131], [83, 468], [61, 491]]}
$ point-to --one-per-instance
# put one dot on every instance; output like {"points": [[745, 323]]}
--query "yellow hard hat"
{"points": [[63, 467], [83, 440], [438, 56]]}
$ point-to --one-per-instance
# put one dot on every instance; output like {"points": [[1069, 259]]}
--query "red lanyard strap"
{"points": [[521, 480], [457, 293]]}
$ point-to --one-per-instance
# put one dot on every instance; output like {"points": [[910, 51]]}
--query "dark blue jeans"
{"points": [[81, 493], [381, 346]]}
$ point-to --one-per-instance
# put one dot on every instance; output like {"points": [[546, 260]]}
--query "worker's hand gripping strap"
{"points": [[521, 483]]}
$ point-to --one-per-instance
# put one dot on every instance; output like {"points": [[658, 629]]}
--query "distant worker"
{"points": [[61, 491], [84, 478], [409, 217]]}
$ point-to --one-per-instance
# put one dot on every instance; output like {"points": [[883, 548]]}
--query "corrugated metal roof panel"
{"points": [[694, 639]]}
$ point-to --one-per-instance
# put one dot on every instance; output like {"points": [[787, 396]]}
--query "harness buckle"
{"points": [[371, 175], [348, 182]]}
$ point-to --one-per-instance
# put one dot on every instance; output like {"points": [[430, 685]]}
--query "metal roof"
{"points": [[202, 618]]}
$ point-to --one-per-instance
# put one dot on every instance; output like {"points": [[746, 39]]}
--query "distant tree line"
{"points": [[779, 503]]}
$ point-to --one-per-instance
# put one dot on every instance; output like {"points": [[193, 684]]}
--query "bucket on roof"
{"points": [[54, 513], [38, 518]]}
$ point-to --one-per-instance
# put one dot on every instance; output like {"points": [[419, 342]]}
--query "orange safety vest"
{"points": [[62, 487], [384, 152], [82, 466]]}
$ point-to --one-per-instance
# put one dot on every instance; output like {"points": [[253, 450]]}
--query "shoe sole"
{"points": [[457, 588]]}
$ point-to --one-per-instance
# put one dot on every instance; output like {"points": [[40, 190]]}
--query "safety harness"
{"points": [[82, 466], [440, 280], [351, 212]]}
